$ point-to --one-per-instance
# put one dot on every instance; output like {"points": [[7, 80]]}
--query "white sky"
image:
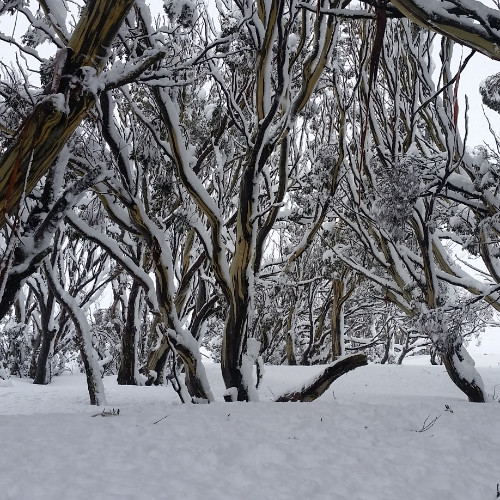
{"points": [[477, 70]]}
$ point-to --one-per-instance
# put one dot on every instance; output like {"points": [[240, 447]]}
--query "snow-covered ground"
{"points": [[364, 439]]}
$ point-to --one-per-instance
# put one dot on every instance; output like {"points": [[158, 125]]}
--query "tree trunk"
{"points": [[179, 340], [157, 356], [128, 360], [338, 319], [234, 334], [235, 331], [405, 350], [160, 367], [46, 130], [290, 347], [461, 369], [434, 355], [35, 345], [84, 340], [387, 349], [92, 370], [43, 374]]}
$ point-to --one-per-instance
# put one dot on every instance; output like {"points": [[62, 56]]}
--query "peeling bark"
{"points": [[466, 25], [47, 129]]}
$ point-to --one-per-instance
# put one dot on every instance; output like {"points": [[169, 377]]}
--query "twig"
{"points": [[427, 425], [107, 413], [163, 418]]}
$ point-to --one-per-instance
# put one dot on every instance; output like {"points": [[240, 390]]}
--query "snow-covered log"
{"points": [[462, 371], [314, 388]]}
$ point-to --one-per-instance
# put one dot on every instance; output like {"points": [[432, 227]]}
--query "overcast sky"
{"points": [[477, 70]]}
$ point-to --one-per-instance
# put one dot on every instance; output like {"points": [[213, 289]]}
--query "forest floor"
{"points": [[365, 438]]}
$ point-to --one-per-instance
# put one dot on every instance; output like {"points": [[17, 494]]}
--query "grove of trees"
{"points": [[264, 181]]}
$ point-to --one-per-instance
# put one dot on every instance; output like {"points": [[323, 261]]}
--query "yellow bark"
{"points": [[46, 130]]}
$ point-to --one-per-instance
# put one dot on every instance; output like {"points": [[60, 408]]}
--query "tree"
{"points": [[397, 206]]}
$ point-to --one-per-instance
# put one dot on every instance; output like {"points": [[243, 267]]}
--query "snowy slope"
{"points": [[359, 441]]}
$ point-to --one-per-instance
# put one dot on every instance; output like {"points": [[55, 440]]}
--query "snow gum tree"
{"points": [[399, 184], [261, 76], [33, 142]]}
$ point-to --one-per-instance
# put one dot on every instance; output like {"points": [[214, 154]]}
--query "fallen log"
{"points": [[315, 387]]}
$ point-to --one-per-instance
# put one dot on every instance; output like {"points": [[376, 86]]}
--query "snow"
{"points": [[58, 13], [360, 440], [59, 102]]}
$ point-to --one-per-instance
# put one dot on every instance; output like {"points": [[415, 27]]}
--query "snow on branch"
{"points": [[468, 22], [490, 92]]}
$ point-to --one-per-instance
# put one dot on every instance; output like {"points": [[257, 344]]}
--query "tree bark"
{"points": [[467, 26], [235, 330], [35, 346], [43, 374], [337, 319], [387, 349], [47, 129], [181, 341], [434, 354], [460, 368], [84, 340], [290, 347], [232, 344], [290, 350], [128, 360]]}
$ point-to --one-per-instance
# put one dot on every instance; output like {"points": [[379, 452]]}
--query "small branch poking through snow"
{"points": [[428, 424], [107, 413], [162, 418]]}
